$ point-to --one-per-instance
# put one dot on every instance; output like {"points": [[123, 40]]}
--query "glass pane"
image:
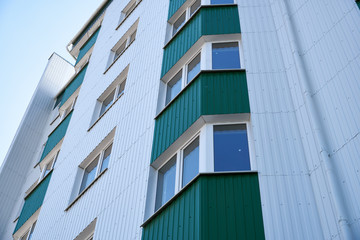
{"points": [[191, 162], [166, 183], [130, 9], [107, 102], [231, 151], [32, 230], [89, 174], [225, 56], [222, 1], [120, 50], [173, 87], [132, 37], [178, 24], [195, 7], [121, 88], [48, 168], [193, 68], [106, 158]]}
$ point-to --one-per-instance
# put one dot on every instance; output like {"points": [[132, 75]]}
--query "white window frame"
{"points": [[206, 155], [241, 54], [184, 75], [51, 163], [178, 168], [98, 166], [115, 97], [29, 231], [126, 12], [68, 109]]}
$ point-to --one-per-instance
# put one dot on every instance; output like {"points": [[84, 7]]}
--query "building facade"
{"points": [[194, 119]]}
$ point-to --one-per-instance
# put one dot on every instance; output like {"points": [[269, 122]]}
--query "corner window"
{"points": [[188, 158], [182, 78], [185, 16], [190, 162], [166, 183], [29, 233], [225, 55], [213, 2], [48, 167], [95, 167], [231, 150]]}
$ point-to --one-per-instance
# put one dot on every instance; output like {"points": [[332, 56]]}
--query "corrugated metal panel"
{"points": [[225, 206], [33, 202], [56, 136], [102, 10], [218, 19], [84, 49], [75, 84], [211, 93], [174, 6]]}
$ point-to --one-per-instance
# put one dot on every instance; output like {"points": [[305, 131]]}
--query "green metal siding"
{"points": [[212, 92], [33, 202], [174, 6], [73, 85], [56, 136], [92, 22], [86, 47], [358, 3], [218, 19], [215, 206]]}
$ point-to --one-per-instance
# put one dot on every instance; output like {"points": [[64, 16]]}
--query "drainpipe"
{"points": [[304, 82]]}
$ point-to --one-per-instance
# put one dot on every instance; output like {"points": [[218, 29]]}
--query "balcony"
{"points": [[212, 206], [210, 93]]}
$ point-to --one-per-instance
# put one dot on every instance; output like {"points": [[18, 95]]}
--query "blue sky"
{"points": [[30, 32]]}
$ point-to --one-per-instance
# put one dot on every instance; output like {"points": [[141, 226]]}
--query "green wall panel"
{"points": [[358, 3], [73, 85], [174, 6], [92, 22], [56, 136], [86, 47], [212, 92], [218, 19], [214, 206], [33, 202]]}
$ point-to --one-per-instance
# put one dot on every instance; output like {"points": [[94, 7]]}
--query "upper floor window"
{"points": [[225, 55], [29, 233], [124, 42], [185, 16], [58, 99], [183, 77], [129, 8], [49, 166], [227, 149], [95, 167]]}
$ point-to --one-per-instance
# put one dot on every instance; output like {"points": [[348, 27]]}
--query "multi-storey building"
{"points": [[194, 119]]}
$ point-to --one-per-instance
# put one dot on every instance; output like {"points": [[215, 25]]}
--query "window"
{"points": [[182, 78], [128, 10], [29, 233], [185, 16], [231, 150], [173, 87], [124, 42], [179, 23], [88, 232], [112, 97], [190, 162], [222, 1], [225, 55], [58, 99], [48, 166], [166, 181], [95, 167]]}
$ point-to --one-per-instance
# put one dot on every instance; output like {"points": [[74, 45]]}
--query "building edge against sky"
{"points": [[197, 119]]}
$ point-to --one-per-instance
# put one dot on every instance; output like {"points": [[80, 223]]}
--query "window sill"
{"points": [[97, 120], [194, 79], [159, 211], [121, 22], [83, 191], [107, 69]]}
